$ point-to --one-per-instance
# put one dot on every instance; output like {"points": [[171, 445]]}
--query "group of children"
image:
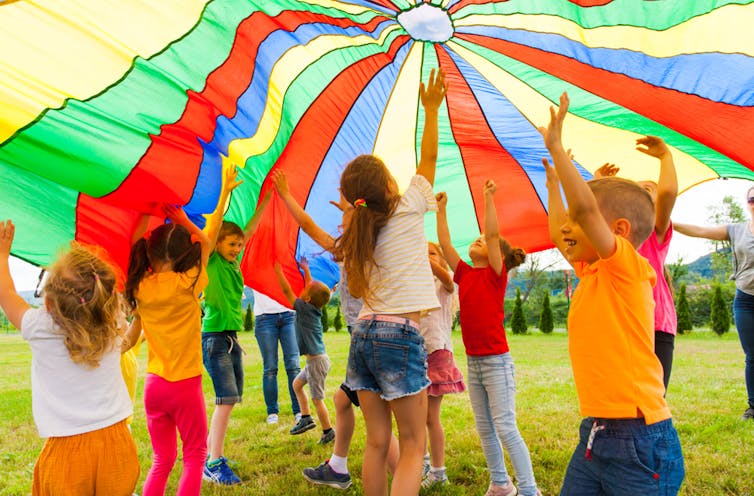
{"points": [[397, 293]]}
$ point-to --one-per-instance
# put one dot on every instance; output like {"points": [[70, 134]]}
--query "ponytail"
{"points": [[138, 264], [512, 257]]}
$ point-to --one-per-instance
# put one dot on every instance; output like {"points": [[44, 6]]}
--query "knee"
{"points": [[163, 462]]}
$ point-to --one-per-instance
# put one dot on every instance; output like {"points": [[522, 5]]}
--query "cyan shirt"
{"points": [[308, 328]]}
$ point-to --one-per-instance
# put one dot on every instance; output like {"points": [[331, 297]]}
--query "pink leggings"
{"points": [[169, 405]]}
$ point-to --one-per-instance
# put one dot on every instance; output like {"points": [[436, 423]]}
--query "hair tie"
{"points": [[194, 238], [96, 276], [360, 203], [82, 300]]}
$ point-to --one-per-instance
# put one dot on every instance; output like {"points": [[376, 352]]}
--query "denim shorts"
{"points": [[626, 458], [387, 358], [222, 357]]}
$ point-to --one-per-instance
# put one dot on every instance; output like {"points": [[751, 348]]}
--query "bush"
{"points": [[545, 318], [337, 322], [719, 315], [518, 321], [248, 321], [325, 319], [684, 312]]}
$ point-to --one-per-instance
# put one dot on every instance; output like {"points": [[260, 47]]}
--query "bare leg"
{"points": [[322, 414], [217, 429], [411, 417], [393, 453], [345, 421], [379, 427], [436, 432], [303, 400]]}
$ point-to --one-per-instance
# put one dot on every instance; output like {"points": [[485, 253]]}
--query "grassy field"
{"points": [[707, 398]]}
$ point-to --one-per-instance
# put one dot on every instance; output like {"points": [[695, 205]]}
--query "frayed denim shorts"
{"points": [[387, 357]]}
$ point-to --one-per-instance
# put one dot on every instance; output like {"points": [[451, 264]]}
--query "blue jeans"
{"points": [[627, 458], [269, 329], [492, 391], [222, 357], [743, 313]]}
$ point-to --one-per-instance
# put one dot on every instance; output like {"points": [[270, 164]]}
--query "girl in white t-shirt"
{"points": [[444, 376], [79, 400], [383, 250]]}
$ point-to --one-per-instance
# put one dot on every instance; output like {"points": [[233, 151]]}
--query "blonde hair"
{"points": [[80, 295]]}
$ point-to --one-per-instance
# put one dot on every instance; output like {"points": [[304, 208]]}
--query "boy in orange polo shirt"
{"points": [[628, 444]]}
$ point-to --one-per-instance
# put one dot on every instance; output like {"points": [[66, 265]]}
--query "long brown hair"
{"points": [[512, 256], [365, 183], [169, 243], [80, 295]]}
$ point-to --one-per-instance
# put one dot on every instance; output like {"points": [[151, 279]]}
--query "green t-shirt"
{"points": [[222, 297]]}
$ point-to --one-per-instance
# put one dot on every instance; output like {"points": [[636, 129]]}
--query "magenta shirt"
{"points": [[655, 253]]}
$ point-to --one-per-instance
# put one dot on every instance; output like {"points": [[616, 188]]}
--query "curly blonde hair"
{"points": [[80, 295]]}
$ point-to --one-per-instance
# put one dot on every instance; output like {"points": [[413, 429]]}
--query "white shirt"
{"points": [[437, 326], [402, 280], [68, 398], [263, 304]]}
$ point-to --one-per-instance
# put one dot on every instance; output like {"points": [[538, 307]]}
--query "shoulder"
{"points": [[461, 270], [419, 194], [35, 321], [627, 261]]}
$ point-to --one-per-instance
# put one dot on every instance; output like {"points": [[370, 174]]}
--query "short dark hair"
{"points": [[620, 198], [229, 229]]}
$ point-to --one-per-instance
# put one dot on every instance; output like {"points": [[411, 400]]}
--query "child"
{"points": [[443, 374], [628, 444], [79, 400], [383, 251], [333, 472], [308, 307], [492, 387], [655, 248], [223, 318], [166, 274]]}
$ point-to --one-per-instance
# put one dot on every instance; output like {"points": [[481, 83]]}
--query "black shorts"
{"points": [[351, 394]]}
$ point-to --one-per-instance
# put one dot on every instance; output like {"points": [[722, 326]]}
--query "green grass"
{"points": [[707, 397]]}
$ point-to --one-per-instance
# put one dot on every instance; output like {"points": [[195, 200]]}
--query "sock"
{"points": [[339, 464], [305, 417], [437, 470], [214, 463], [326, 431]]}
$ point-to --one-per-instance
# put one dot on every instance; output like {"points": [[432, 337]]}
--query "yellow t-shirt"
{"points": [[129, 368], [168, 303], [611, 338]]}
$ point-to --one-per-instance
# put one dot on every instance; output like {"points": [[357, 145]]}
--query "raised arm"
{"points": [[431, 97], [319, 235], [12, 304], [667, 183], [286, 287], [491, 229], [443, 233], [582, 206], [215, 219], [253, 223], [140, 228], [717, 233], [556, 212], [442, 275], [178, 216], [304, 264]]}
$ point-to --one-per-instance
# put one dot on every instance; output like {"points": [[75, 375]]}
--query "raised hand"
{"points": [[230, 181], [490, 187], [552, 134], [551, 175], [652, 146], [7, 231], [280, 182], [433, 94], [342, 204], [442, 200], [176, 214], [606, 170]]}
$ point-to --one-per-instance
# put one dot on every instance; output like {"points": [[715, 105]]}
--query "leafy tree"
{"points": [[325, 319], [719, 315], [518, 321], [248, 322], [338, 320], [545, 318], [684, 312], [534, 271]]}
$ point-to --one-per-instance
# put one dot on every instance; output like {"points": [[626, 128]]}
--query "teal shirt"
{"points": [[222, 297]]}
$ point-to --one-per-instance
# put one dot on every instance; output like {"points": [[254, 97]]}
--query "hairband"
{"points": [[360, 203]]}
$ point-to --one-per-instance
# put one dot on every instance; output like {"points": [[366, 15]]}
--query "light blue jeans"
{"points": [[492, 391], [271, 328]]}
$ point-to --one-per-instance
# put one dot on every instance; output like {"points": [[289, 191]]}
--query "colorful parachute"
{"points": [[109, 108]]}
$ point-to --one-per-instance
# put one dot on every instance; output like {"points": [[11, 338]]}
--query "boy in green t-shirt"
{"points": [[221, 353]]}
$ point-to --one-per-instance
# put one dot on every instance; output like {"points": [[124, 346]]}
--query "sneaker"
{"points": [[326, 476], [296, 417], [748, 414], [327, 437], [303, 425], [220, 473], [507, 490], [425, 467], [272, 418], [432, 479]]}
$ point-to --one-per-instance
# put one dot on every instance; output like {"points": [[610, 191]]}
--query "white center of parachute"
{"points": [[427, 23]]}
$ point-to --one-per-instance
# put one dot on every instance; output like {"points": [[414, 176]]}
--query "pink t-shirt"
{"points": [[656, 252]]}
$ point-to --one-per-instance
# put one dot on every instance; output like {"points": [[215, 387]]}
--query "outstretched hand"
{"points": [[230, 181], [551, 175], [442, 200], [607, 170], [490, 187], [176, 214], [652, 146], [342, 204], [433, 94], [552, 134], [280, 182], [7, 231]]}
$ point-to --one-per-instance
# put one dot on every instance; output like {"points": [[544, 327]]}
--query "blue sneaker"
{"points": [[326, 476], [220, 473]]}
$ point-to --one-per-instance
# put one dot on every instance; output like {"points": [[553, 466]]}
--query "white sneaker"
{"points": [[272, 418], [297, 417], [507, 490]]}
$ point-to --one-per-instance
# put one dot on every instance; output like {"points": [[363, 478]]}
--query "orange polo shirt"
{"points": [[168, 303], [611, 338]]}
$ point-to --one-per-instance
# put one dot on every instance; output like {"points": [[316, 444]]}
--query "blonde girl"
{"points": [[166, 274], [79, 400], [383, 251]]}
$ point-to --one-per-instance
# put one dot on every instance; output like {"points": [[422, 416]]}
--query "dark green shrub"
{"points": [[719, 315], [325, 319], [683, 311], [337, 322], [545, 318], [518, 321], [248, 321]]}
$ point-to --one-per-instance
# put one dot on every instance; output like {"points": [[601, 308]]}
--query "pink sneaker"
{"points": [[507, 490]]}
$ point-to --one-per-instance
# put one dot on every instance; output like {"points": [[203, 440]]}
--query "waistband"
{"points": [[316, 358], [630, 424], [390, 318]]}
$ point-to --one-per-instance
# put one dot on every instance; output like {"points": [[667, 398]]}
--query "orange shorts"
{"points": [[101, 462]]}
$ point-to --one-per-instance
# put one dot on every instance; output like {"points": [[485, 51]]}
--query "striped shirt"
{"points": [[402, 280]]}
